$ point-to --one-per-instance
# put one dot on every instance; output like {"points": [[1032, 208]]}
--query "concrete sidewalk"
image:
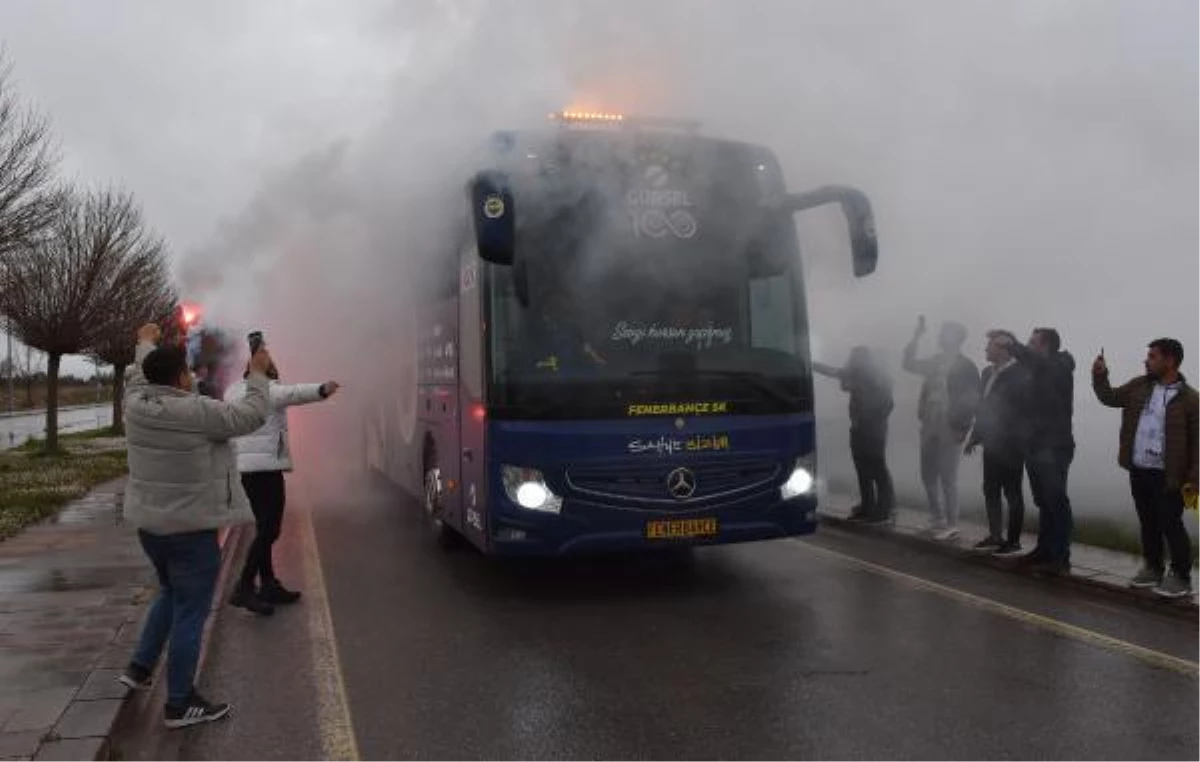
{"points": [[73, 594], [1095, 569]]}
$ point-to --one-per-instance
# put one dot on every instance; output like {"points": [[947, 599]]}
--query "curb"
{"points": [[140, 710], [1182, 609]]}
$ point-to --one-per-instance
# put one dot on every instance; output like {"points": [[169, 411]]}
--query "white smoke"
{"points": [[1030, 164]]}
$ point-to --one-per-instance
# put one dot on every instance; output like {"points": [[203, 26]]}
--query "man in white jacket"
{"points": [[263, 458], [182, 486]]}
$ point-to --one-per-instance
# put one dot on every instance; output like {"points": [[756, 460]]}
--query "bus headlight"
{"points": [[527, 488], [801, 481]]}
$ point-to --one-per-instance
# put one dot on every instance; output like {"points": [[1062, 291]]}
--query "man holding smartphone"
{"points": [[1160, 447], [263, 458], [182, 487], [949, 396]]}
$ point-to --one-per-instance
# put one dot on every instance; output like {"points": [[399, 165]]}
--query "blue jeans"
{"points": [[1048, 468], [187, 566]]}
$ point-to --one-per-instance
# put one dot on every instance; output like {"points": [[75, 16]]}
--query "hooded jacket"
{"points": [[267, 449], [183, 475], [1052, 398]]}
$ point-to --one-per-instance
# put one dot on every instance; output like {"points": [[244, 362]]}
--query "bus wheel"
{"points": [[431, 502]]}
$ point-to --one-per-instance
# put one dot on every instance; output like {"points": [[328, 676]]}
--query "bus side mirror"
{"points": [[864, 245], [495, 218]]}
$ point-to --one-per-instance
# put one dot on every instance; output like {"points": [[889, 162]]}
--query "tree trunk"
{"points": [[52, 402], [118, 418]]}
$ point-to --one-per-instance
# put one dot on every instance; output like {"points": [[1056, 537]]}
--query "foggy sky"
{"points": [[1031, 163]]}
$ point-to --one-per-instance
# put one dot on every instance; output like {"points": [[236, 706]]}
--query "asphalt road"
{"points": [[16, 429], [836, 646]]}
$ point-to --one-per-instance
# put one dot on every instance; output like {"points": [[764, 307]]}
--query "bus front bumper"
{"points": [[594, 529]]}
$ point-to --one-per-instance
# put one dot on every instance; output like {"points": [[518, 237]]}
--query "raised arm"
{"points": [[828, 371], [288, 395], [148, 337], [1105, 393], [220, 420], [1110, 397], [1023, 354], [134, 377], [913, 364]]}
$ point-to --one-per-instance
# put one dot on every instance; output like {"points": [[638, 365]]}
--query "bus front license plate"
{"points": [[676, 529]]}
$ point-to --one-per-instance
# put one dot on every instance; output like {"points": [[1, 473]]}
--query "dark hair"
{"points": [[1170, 348], [165, 365], [1050, 336]]}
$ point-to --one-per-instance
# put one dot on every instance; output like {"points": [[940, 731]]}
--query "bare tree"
{"points": [[27, 162], [144, 293], [58, 290]]}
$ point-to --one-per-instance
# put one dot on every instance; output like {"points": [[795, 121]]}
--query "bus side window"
{"points": [[771, 313], [470, 326], [447, 275]]}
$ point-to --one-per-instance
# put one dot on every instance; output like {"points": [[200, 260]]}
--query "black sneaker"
{"points": [[194, 712], [136, 678], [277, 594], [987, 544], [857, 514], [246, 598], [878, 519], [1007, 549]]}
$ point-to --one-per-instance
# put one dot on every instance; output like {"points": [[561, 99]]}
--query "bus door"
{"points": [[472, 416]]}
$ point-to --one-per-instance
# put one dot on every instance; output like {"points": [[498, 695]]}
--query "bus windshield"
{"points": [[645, 325], [647, 271]]}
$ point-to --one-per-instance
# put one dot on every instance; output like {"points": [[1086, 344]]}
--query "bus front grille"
{"points": [[647, 482]]}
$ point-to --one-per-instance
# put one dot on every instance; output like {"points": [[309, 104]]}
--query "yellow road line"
{"points": [[334, 723], [1157, 658]]}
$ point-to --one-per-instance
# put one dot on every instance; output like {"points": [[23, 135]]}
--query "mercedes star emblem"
{"points": [[681, 483]]}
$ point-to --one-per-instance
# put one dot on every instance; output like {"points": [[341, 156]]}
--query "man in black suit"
{"points": [[1002, 428]]}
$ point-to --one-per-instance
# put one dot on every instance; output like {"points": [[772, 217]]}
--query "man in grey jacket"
{"points": [[183, 485], [949, 394]]}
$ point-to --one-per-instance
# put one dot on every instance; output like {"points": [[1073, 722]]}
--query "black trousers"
{"points": [[1004, 474], [266, 492], [868, 448], [1160, 512]]}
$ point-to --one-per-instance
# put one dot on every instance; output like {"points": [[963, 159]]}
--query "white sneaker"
{"points": [[945, 535]]}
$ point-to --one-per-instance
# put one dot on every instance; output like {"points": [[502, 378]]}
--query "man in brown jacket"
{"points": [[1159, 448]]}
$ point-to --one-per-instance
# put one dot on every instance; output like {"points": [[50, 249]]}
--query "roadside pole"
{"points": [[11, 393]]}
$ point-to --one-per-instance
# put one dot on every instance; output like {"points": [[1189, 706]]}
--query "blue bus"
{"points": [[614, 355]]}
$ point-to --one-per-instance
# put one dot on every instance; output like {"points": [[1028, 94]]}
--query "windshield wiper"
{"points": [[751, 378]]}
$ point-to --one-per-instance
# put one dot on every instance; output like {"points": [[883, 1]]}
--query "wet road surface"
{"points": [[835, 646], [17, 429]]}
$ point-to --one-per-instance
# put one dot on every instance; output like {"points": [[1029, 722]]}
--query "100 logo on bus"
{"points": [[658, 211]]}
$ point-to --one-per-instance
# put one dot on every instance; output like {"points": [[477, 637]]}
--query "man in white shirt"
{"points": [[1160, 447]]}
